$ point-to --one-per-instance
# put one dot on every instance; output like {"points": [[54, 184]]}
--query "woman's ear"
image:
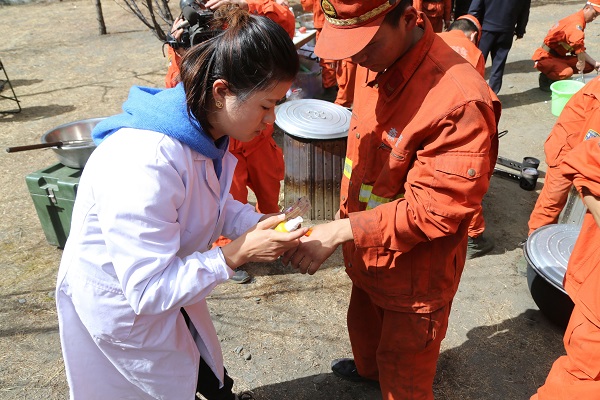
{"points": [[220, 90]]}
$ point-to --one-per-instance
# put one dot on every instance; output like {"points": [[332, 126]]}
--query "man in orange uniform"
{"points": [[577, 374], [438, 12], [422, 145], [579, 120], [260, 164], [563, 52], [463, 36]]}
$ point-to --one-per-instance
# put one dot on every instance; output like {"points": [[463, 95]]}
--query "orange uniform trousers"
{"points": [[346, 80], [398, 349], [437, 11], [559, 68], [340, 73]]}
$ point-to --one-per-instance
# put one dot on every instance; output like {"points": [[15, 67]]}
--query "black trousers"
{"points": [[461, 7], [208, 383], [498, 44]]}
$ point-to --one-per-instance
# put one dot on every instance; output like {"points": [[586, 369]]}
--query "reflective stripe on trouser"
{"points": [[400, 350]]}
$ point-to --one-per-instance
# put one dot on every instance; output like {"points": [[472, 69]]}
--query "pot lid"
{"points": [[548, 250], [313, 119]]}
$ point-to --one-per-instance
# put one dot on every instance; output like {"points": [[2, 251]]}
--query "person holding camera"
{"points": [[138, 264], [260, 164]]}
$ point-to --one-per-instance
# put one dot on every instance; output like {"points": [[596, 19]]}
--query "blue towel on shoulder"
{"points": [[164, 111]]}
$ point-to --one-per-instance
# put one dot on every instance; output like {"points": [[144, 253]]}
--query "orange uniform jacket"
{"points": [[264, 173], [577, 375], [582, 280], [465, 48], [579, 119], [414, 175], [438, 12], [565, 40]]}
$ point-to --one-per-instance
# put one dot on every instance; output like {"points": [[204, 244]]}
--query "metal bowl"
{"points": [[73, 155], [547, 252], [306, 20]]}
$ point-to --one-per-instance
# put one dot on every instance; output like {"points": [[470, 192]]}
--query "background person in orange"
{"points": [[338, 77], [422, 145], [439, 12], [463, 37], [577, 374], [260, 164], [563, 52], [328, 67], [579, 120]]}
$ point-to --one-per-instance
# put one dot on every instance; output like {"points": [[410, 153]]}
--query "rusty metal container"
{"points": [[314, 148], [574, 210]]}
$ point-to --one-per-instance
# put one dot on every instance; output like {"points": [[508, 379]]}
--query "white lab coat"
{"points": [[148, 209]]}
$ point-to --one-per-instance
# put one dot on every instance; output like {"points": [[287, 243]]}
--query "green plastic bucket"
{"points": [[562, 92]]}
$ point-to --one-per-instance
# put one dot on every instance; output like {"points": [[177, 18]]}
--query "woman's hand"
{"points": [[261, 243]]}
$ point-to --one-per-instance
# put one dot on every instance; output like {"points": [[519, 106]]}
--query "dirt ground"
{"points": [[279, 332]]}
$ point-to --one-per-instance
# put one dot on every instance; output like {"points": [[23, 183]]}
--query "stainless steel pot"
{"points": [[73, 155], [547, 252]]}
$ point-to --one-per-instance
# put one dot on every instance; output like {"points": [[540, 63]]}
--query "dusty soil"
{"points": [[280, 331]]}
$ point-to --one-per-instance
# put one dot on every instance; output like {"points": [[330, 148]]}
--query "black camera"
{"points": [[196, 26]]}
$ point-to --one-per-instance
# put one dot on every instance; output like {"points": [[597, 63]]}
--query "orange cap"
{"points": [[475, 21], [350, 26], [595, 6]]}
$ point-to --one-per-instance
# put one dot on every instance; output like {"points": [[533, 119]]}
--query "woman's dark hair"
{"points": [[252, 54]]}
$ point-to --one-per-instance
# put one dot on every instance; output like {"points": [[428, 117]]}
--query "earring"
{"points": [[218, 104]]}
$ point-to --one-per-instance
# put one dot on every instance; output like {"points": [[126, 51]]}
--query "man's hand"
{"points": [[261, 243], [316, 248]]}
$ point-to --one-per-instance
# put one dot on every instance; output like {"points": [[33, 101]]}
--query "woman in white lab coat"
{"points": [[152, 199]]}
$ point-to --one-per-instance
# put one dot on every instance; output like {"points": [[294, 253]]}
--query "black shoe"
{"points": [[478, 246], [345, 368], [240, 276], [244, 396], [545, 82]]}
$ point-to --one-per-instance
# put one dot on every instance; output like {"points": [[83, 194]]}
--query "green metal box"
{"points": [[53, 190]]}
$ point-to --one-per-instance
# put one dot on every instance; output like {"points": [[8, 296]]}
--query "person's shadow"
{"points": [[506, 361]]}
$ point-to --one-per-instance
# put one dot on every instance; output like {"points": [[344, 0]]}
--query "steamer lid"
{"points": [[313, 119], [548, 249]]}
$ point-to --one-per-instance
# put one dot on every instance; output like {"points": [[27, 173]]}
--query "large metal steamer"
{"points": [[314, 147]]}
